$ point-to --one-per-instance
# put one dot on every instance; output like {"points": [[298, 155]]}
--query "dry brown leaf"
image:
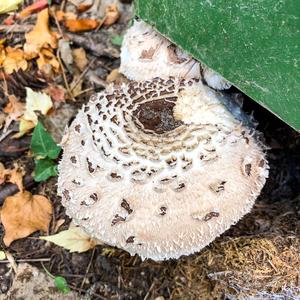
{"points": [[80, 59], [57, 93], [14, 108], [81, 25], [14, 60], [116, 77], [23, 214], [40, 37], [62, 16], [47, 62], [14, 176], [82, 7], [112, 15]]}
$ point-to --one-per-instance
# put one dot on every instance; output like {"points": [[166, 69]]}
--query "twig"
{"points": [[88, 269], [82, 74], [5, 261], [98, 49], [84, 91], [16, 28], [149, 291], [64, 76]]}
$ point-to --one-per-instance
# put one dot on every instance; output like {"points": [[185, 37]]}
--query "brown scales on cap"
{"points": [[164, 168]]}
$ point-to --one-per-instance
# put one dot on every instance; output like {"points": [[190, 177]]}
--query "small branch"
{"points": [[97, 48], [5, 261], [16, 28], [11, 189]]}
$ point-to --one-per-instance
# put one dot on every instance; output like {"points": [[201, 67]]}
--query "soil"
{"points": [[258, 257]]}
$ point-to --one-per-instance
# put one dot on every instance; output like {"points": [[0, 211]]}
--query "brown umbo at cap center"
{"points": [[159, 168]]}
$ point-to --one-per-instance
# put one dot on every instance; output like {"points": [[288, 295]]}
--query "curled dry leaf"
{"points": [[14, 176], [14, 109], [80, 58], [14, 60], [116, 77], [73, 239], [34, 102], [82, 7], [47, 62], [62, 16], [81, 25], [56, 92], [40, 37], [112, 15], [23, 214]]}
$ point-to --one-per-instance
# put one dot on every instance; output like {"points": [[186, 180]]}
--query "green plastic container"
{"points": [[255, 44]]}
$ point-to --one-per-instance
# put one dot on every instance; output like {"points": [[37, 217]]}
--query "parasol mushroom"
{"points": [[146, 54], [160, 168]]}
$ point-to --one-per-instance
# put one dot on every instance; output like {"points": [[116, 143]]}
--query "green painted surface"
{"points": [[255, 44]]}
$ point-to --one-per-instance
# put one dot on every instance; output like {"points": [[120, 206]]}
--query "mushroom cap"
{"points": [[146, 54], [159, 168]]}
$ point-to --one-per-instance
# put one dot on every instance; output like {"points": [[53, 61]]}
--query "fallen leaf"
{"points": [[24, 127], [9, 5], [14, 60], [65, 53], [82, 7], [73, 239], [117, 40], [47, 62], [62, 16], [33, 8], [42, 144], [58, 224], [40, 37], [14, 176], [80, 59], [14, 108], [116, 77], [112, 14], [36, 101], [2, 255], [81, 25], [56, 92], [23, 214], [44, 169]]}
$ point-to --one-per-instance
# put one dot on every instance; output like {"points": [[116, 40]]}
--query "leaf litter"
{"points": [[58, 58]]}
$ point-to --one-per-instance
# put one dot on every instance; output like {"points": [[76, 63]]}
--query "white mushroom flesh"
{"points": [[159, 168]]}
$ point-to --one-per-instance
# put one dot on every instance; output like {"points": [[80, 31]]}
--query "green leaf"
{"points": [[44, 168], [61, 284], [42, 144], [117, 40]]}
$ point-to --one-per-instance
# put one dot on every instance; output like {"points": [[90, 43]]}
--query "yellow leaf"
{"points": [[23, 214], [24, 127], [74, 239], [9, 5], [40, 36], [14, 60], [2, 255], [36, 101], [14, 176]]}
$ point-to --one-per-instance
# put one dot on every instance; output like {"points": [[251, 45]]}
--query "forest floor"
{"points": [[259, 256]]}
